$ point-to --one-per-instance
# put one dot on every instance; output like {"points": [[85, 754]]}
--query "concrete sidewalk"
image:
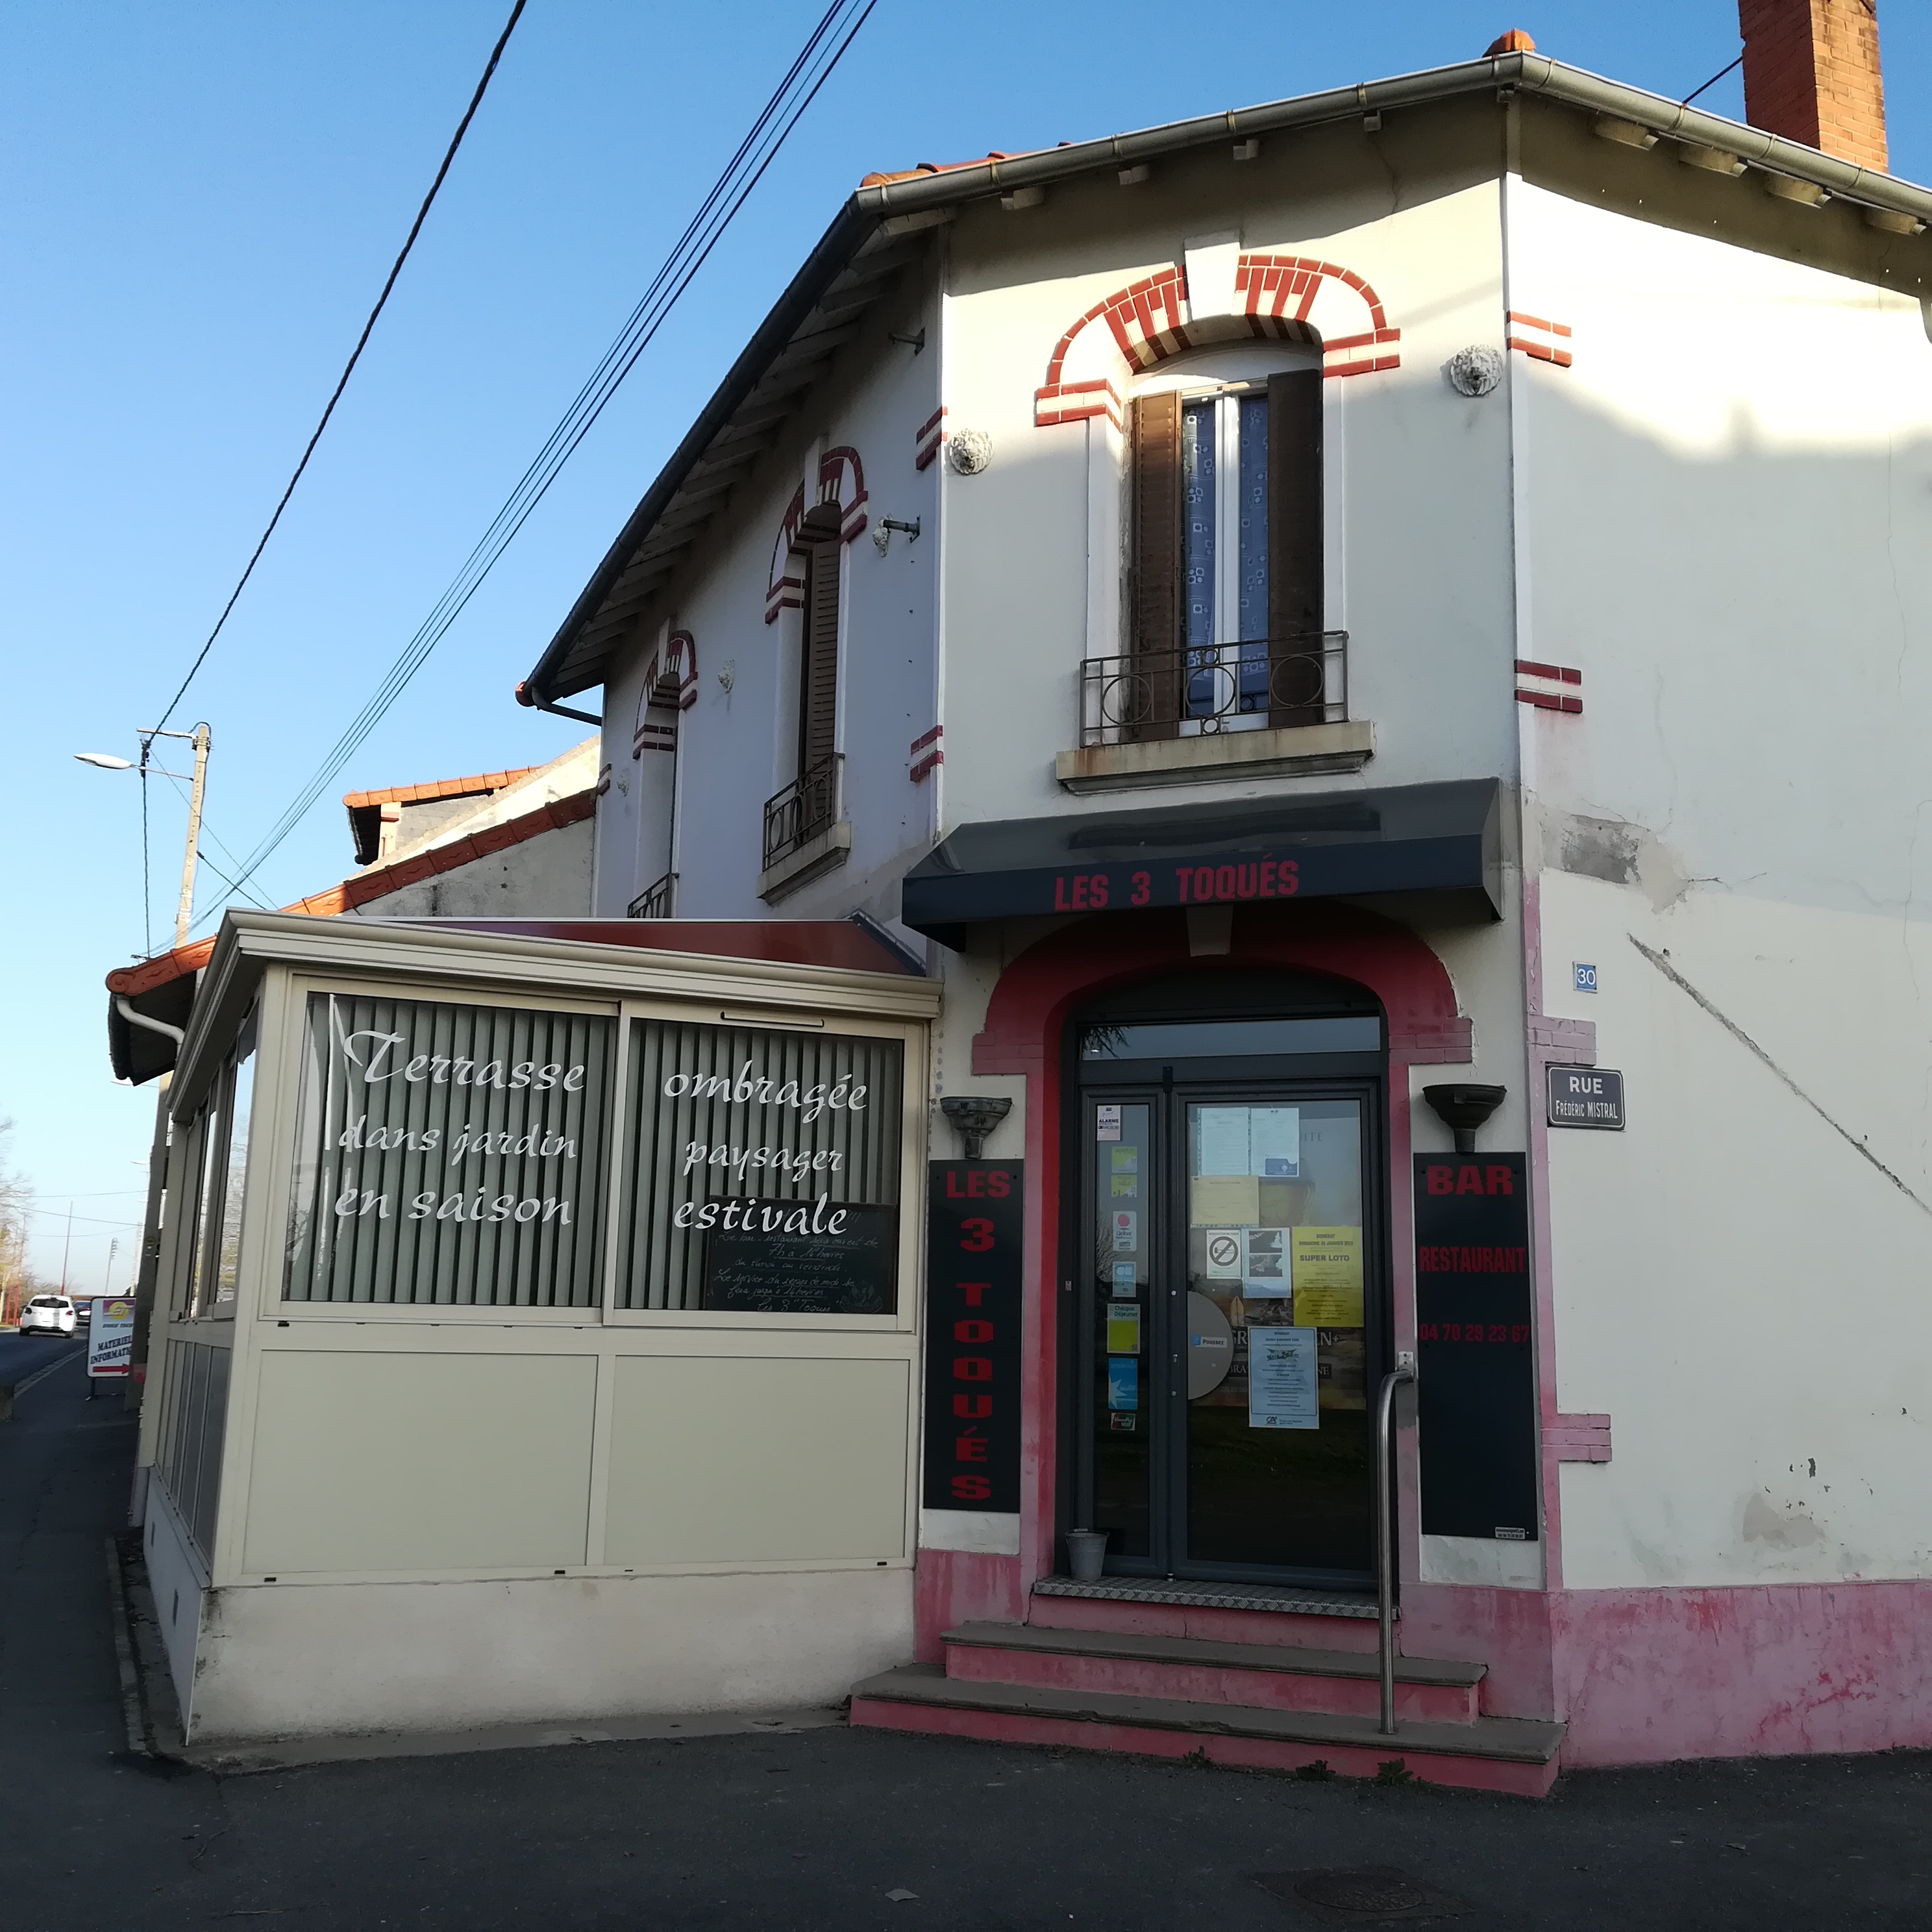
{"points": [[819, 1831]]}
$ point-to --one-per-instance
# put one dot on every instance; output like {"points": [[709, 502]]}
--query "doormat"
{"points": [[1284, 1598]]}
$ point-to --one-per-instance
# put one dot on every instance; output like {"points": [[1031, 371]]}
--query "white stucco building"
{"points": [[1417, 586]]}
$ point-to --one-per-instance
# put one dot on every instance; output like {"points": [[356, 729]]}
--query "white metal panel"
{"points": [[371, 1463], [757, 1460]]}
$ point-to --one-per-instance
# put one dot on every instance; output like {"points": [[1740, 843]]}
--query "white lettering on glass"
{"points": [[764, 1217], [743, 1089], [370, 1054]]}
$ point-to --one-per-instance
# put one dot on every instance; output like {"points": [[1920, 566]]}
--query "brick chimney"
{"points": [[1811, 74]]}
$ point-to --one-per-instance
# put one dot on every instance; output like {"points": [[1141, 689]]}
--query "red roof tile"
{"points": [[422, 794], [376, 883], [933, 168]]}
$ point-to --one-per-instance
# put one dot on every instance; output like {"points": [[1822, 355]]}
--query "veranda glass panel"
{"points": [[449, 1153], [806, 1126]]}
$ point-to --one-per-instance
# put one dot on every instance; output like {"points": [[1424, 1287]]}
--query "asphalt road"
{"points": [[21, 1355], [817, 1830]]}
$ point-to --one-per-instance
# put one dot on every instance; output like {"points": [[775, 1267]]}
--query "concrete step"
{"points": [[1515, 1755], [1264, 1676], [1222, 1612]]}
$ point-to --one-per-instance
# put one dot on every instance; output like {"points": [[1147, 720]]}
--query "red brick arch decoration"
{"points": [[1281, 298]]}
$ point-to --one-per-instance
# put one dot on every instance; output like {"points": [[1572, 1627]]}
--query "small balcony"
{"points": [[1264, 707], [805, 830], [656, 902]]}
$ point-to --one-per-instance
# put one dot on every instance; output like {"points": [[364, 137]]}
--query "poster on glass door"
{"points": [[1282, 1379]]}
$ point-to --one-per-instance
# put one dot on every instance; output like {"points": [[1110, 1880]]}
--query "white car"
{"points": [[48, 1313]]}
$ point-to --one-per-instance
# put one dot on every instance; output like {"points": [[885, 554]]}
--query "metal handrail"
{"points": [[1302, 679], [1404, 1371], [813, 801], [655, 901]]}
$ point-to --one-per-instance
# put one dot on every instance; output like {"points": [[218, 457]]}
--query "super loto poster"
{"points": [[973, 1226]]}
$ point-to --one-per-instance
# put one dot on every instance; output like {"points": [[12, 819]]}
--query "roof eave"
{"points": [[931, 193]]}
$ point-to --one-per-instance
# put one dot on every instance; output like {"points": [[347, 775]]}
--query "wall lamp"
{"points": [[975, 1115], [1462, 1108]]}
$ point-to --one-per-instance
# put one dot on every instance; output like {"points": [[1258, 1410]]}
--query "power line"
{"points": [[216, 836], [795, 93], [62, 1214], [1712, 81], [355, 354], [147, 889]]}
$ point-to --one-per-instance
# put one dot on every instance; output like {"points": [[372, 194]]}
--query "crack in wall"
{"points": [[1661, 961]]}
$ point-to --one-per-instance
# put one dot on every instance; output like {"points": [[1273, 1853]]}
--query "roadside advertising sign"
{"points": [[110, 1336]]}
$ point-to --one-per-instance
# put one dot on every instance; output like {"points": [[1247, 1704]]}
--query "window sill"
{"points": [[818, 855], [1219, 754]]}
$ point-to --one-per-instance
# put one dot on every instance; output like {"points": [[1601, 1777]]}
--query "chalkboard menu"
{"points": [[852, 1270], [1476, 1373]]}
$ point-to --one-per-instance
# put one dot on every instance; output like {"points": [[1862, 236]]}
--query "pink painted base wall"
{"points": [[951, 1587], [1639, 1676], [1647, 1675]]}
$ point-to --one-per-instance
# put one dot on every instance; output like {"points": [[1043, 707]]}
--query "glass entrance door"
{"points": [[1275, 1449], [1232, 1325]]}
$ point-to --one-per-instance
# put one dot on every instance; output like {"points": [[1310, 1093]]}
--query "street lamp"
{"points": [[199, 738]]}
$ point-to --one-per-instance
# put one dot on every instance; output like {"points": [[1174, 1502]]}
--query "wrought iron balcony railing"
{"points": [[1205, 688], [811, 804], [656, 902]]}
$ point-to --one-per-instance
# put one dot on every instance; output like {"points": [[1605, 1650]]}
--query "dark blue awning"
{"points": [[1439, 847]]}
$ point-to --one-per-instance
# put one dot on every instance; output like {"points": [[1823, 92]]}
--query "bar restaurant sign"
{"points": [[462, 1155]]}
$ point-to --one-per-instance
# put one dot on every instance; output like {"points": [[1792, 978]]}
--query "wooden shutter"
{"points": [[818, 669], [1294, 547], [1155, 631]]}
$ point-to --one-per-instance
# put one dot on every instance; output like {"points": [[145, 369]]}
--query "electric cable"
{"points": [[62, 1214], [355, 354], [210, 831], [1712, 81], [147, 887], [820, 54]]}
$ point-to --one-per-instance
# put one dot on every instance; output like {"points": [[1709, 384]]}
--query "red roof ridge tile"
{"points": [[435, 788], [881, 180], [377, 883]]}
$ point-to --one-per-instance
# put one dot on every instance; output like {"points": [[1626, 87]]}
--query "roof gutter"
{"points": [[919, 194], [1533, 72]]}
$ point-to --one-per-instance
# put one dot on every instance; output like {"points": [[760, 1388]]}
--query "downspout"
{"points": [[125, 1008], [147, 1276]]}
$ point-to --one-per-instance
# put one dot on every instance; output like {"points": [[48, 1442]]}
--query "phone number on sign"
{"points": [[1472, 1331]]}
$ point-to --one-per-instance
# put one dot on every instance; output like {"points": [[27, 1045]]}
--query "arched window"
{"points": [[1226, 589]]}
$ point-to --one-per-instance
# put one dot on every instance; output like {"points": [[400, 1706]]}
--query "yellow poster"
{"points": [[1124, 1327], [1225, 1200], [1327, 1269]]}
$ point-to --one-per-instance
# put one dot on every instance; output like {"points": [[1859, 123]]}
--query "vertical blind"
{"points": [[189, 1455], [448, 1154], [733, 1114]]}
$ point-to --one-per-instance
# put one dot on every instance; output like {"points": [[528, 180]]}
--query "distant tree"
{"points": [[16, 1198]]}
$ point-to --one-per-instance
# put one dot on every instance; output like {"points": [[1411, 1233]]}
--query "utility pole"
{"points": [[200, 739], [184, 913], [66, 1247]]}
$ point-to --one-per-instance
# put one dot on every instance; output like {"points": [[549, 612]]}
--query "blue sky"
{"points": [[201, 202]]}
